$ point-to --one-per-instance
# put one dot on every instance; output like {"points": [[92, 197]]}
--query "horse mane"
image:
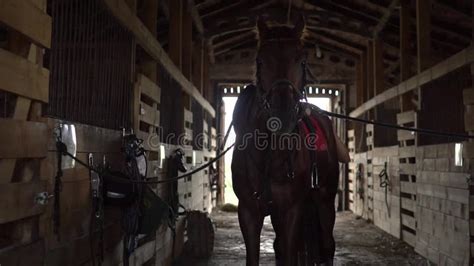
{"points": [[243, 106]]}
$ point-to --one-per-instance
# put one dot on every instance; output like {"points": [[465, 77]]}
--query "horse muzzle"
{"points": [[283, 107]]}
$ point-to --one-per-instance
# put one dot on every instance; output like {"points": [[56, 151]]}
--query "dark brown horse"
{"points": [[273, 175]]}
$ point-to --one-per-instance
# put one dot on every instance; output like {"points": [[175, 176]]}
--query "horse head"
{"points": [[281, 68]]}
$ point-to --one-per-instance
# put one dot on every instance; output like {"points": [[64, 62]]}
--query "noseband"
{"points": [[263, 94]]}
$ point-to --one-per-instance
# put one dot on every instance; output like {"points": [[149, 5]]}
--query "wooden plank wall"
{"points": [[442, 206], [429, 196], [195, 191], [357, 181], [28, 159], [408, 181], [370, 173], [468, 151], [23, 136], [386, 205]]}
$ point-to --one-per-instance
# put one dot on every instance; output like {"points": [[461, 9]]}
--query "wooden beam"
{"points": [[223, 7], [187, 41], [206, 75], [235, 39], [405, 40], [28, 19], [463, 58], [460, 13], [361, 80], [196, 17], [423, 26], [17, 200], [175, 35], [165, 8], [187, 49], [310, 43], [386, 16], [120, 10], [336, 42], [198, 60], [363, 16], [370, 69], [149, 16], [234, 46], [379, 79], [23, 139], [405, 54], [22, 77]]}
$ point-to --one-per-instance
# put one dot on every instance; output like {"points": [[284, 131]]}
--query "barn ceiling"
{"points": [[341, 27]]}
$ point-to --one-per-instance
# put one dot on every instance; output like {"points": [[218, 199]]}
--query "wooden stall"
{"points": [[82, 98], [429, 199]]}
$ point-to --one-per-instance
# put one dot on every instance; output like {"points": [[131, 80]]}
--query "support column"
{"points": [[187, 39], [175, 32], [206, 84], [406, 100], [198, 60], [149, 16], [361, 80], [379, 78], [468, 153], [187, 48], [423, 28], [370, 70]]}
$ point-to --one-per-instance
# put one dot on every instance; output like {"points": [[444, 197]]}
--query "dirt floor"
{"points": [[357, 242]]}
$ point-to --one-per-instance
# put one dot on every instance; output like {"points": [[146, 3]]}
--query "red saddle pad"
{"points": [[313, 140]]}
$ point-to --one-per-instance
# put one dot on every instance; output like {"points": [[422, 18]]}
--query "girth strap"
{"points": [[313, 154]]}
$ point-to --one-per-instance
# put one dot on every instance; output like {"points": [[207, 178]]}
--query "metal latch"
{"points": [[42, 198]]}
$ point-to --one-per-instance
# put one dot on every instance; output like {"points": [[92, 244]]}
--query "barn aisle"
{"points": [[358, 243]]}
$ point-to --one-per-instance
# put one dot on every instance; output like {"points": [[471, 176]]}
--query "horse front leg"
{"points": [[288, 235], [251, 223]]}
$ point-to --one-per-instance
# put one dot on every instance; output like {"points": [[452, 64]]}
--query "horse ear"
{"points": [[262, 27], [299, 26]]}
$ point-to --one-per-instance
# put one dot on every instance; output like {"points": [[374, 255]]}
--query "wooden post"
{"points": [[423, 27], [405, 40], [187, 49], [361, 80], [406, 102], [198, 60], [148, 13], [370, 70], [187, 38], [379, 79], [205, 75], [175, 29]]}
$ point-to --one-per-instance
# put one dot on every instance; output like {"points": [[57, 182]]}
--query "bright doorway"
{"points": [[229, 103]]}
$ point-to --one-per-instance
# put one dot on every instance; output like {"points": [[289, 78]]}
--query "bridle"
{"points": [[263, 94]]}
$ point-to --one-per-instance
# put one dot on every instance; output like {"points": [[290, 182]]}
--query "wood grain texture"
{"points": [[23, 139], [456, 61], [17, 200], [148, 42], [22, 77], [27, 18]]}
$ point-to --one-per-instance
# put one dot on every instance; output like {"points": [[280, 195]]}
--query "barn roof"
{"points": [[339, 26]]}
